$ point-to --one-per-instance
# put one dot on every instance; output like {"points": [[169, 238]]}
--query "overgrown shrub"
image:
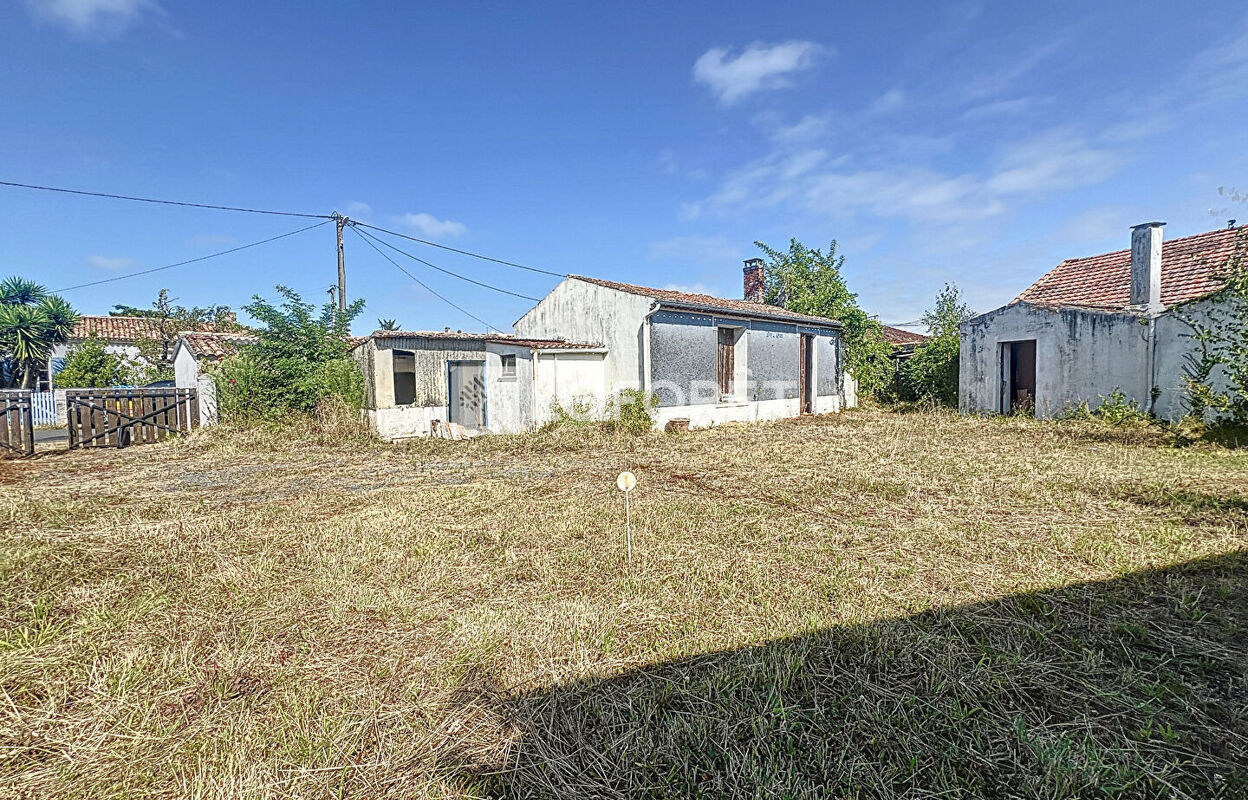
{"points": [[300, 358], [1216, 373], [631, 411], [628, 411], [931, 374], [90, 366]]}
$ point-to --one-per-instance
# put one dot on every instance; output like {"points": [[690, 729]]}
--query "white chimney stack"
{"points": [[1146, 266]]}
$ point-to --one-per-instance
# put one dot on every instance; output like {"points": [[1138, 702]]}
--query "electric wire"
{"points": [[461, 252], [447, 271], [163, 202], [192, 260], [422, 284]]}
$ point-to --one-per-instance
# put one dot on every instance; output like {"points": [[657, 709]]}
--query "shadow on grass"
{"points": [[1135, 687]]}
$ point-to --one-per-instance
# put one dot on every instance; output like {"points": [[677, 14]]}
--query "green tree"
{"points": [[32, 322], [387, 325], [1216, 373], [932, 372], [300, 358], [89, 365], [168, 319], [809, 281]]}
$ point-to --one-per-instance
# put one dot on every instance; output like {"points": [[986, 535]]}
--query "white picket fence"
{"points": [[44, 408]]}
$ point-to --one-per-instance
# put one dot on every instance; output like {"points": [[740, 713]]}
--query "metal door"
{"points": [[466, 385]]}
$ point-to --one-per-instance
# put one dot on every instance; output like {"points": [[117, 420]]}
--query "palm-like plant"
{"points": [[387, 325], [32, 322]]}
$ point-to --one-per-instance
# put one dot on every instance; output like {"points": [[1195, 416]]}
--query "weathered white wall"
{"points": [[405, 422], [185, 369], [565, 377], [583, 312], [1081, 356], [207, 396], [1174, 346], [508, 401]]}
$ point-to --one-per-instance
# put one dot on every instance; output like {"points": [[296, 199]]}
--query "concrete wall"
{"points": [[508, 400], [584, 312], [684, 357], [185, 369], [1081, 356], [375, 358], [1175, 345], [568, 378]]}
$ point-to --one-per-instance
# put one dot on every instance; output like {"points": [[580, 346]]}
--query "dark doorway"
{"points": [[727, 363], [1018, 373], [805, 373], [466, 385]]}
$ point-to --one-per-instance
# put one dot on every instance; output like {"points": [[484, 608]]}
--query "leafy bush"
{"points": [[1116, 409], [1216, 374], [628, 411], [90, 366], [931, 374], [631, 411], [300, 359]]}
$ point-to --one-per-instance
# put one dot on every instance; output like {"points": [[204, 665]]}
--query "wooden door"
{"points": [[727, 363], [805, 373]]}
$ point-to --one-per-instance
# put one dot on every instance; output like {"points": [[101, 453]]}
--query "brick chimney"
{"points": [[1146, 266], [754, 280]]}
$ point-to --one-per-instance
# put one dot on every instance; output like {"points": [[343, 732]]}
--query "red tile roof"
{"points": [[544, 344], [115, 329], [899, 337], [1189, 270], [205, 344], [706, 301]]}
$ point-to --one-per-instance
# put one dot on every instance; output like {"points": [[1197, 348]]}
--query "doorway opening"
{"points": [[1018, 377], [465, 382], [806, 374]]}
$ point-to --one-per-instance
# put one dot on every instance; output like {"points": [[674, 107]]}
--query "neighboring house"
{"points": [[904, 342], [485, 382], [706, 359], [1095, 325], [193, 352], [121, 336]]}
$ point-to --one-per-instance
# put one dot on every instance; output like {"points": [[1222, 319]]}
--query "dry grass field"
{"points": [[869, 605]]}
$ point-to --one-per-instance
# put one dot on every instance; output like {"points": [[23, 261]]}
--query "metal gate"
{"points": [[121, 417], [17, 426]]}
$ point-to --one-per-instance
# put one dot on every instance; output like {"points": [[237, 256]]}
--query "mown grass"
{"points": [[869, 605]]}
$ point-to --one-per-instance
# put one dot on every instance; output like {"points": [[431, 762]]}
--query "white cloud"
{"points": [[757, 68], [715, 250], [430, 225], [694, 288], [887, 103], [110, 262], [357, 210], [811, 126], [1054, 160], [92, 17]]}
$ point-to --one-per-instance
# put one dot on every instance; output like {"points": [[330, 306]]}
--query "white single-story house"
{"points": [[195, 350], [1095, 325], [121, 336], [706, 359]]}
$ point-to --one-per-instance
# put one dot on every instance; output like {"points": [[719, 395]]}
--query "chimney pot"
{"points": [[754, 280], [1146, 266]]}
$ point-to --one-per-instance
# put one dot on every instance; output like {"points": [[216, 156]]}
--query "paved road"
{"points": [[45, 435]]}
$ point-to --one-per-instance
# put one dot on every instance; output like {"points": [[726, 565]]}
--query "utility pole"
{"points": [[342, 267]]}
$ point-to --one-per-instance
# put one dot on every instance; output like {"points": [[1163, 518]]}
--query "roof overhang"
{"points": [[724, 311]]}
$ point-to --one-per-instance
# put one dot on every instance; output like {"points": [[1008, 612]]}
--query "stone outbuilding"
{"points": [[1093, 326]]}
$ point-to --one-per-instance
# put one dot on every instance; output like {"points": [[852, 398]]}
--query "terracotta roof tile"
{"points": [[899, 337], [1189, 269], [544, 344], [743, 307], [115, 329], [205, 344]]}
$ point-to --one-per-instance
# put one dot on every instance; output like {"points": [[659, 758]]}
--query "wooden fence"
{"points": [[17, 429], [121, 417]]}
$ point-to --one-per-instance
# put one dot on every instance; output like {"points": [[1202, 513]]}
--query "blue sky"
{"points": [[978, 143]]}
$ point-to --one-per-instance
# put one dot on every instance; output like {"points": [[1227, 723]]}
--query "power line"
{"points": [[447, 271], [424, 285], [162, 202], [191, 261], [463, 252]]}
